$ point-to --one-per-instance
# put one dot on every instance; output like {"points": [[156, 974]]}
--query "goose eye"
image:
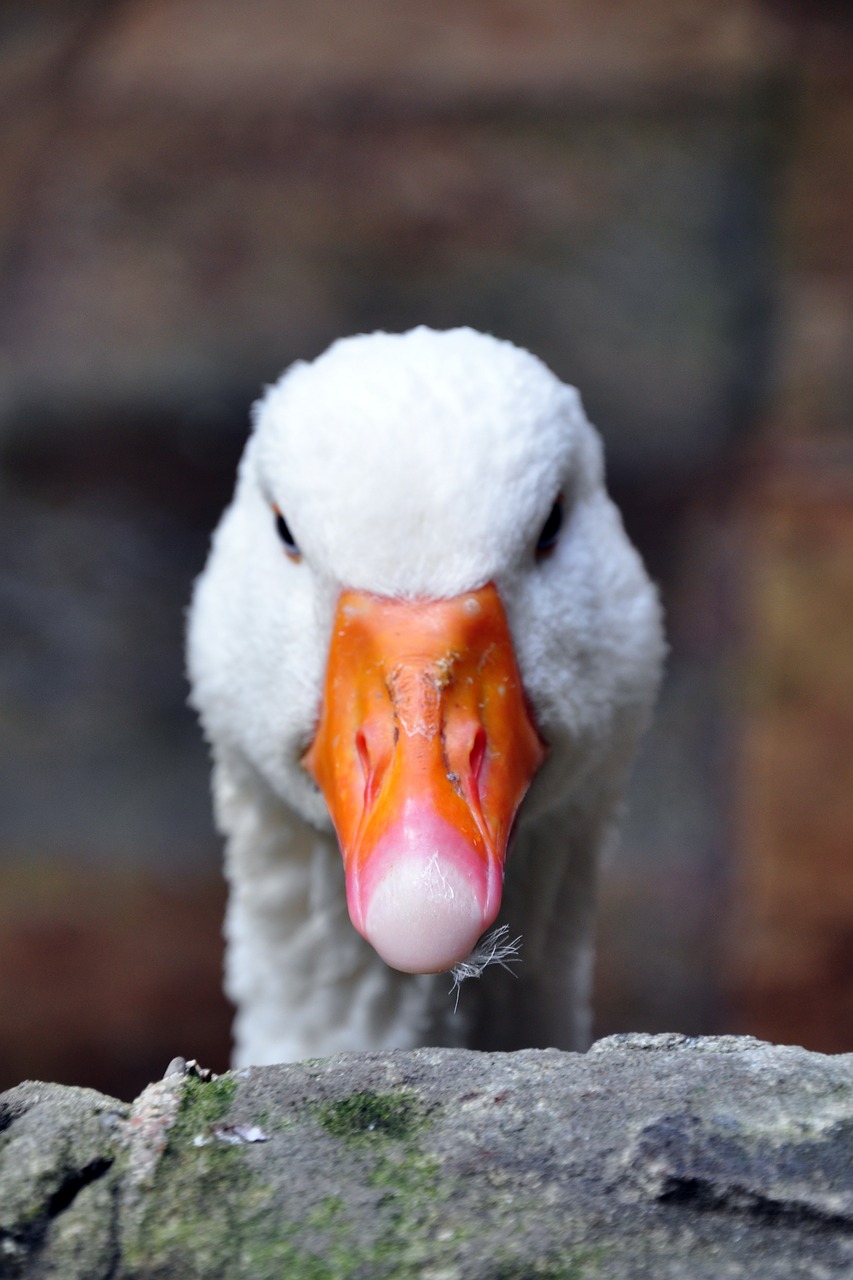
{"points": [[283, 531], [551, 528]]}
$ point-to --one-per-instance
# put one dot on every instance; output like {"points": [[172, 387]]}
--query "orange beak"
{"points": [[424, 750]]}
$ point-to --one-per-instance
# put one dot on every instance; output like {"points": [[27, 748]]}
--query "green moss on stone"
{"points": [[194, 1172], [373, 1115], [203, 1103], [212, 1213]]}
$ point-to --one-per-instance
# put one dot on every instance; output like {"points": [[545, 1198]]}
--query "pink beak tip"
{"points": [[425, 898]]}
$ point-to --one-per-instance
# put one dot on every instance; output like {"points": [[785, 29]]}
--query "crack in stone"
{"points": [[68, 1190], [703, 1193]]}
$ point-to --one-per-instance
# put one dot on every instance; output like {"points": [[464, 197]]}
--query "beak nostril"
{"points": [[367, 773], [363, 754], [478, 754], [374, 751]]}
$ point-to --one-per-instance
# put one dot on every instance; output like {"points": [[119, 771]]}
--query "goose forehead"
{"points": [[417, 449]]}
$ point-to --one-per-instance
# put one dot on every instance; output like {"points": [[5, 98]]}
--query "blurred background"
{"points": [[657, 198]]}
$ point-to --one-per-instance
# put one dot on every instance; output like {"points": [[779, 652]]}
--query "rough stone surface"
{"points": [[658, 1156], [58, 1181]]}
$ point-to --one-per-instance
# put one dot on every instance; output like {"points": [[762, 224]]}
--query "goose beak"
{"points": [[424, 750]]}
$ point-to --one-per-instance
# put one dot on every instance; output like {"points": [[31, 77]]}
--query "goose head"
{"points": [[421, 621]]}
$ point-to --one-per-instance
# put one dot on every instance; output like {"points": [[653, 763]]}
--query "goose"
{"points": [[422, 651]]}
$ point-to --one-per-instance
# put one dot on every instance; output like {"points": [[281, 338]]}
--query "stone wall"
{"points": [[648, 1156]]}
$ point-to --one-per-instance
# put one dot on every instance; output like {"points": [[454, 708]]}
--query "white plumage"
{"points": [[420, 466]]}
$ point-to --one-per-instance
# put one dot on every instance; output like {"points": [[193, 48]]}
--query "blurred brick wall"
{"points": [[789, 955]]}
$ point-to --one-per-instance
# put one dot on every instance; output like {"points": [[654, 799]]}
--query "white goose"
{"points": [[422, 625]]}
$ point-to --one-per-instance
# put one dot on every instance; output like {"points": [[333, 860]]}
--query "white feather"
{"points": [[495, 947]]}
